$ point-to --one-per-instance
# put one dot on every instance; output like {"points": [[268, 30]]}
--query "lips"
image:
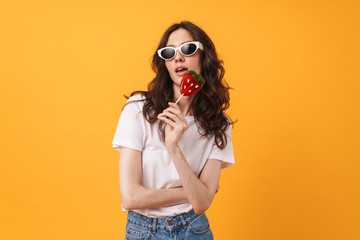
{"points": [[181, 70]]}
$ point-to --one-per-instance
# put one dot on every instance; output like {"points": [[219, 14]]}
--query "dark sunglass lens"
{"points": [[168, 53], [188, 49]]}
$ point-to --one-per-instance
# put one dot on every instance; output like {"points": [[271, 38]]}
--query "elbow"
{"points": [[129, 200], [199, 211], [131, 203], [201, 205], [200, 208], [127, 203]]}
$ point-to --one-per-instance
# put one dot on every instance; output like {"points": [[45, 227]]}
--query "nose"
{"points": [[179, 57]]}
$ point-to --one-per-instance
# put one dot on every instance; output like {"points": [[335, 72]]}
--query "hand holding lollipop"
{"points": [[190, 84]]}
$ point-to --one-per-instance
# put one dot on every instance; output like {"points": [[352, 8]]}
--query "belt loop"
{"points": [[153, 229], [183, 220]]}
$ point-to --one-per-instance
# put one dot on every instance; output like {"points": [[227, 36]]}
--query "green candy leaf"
{"points": [[198, 77]]}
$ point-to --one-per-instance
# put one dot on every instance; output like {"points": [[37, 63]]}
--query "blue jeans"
{"points": [[184, 226]]}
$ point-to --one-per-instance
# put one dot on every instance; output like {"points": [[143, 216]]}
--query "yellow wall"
{"points": [[65, 65]]}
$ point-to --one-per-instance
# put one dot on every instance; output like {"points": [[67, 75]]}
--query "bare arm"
{"points": [[200, 191], [133, 194]]}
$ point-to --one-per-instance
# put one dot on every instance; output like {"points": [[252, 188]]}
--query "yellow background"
{"points": [[294, 67]]}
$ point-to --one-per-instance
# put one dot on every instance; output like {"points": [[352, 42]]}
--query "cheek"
{"points": [[197, 65], [167, 65], [197, 62]]}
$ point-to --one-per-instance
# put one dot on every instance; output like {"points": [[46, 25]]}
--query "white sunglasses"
{"points": [[186, 49]]}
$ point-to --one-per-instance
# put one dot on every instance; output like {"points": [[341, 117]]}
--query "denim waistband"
{"points": [[162, 223]]}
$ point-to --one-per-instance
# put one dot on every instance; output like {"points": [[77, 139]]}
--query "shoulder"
{"points": [[138, 98], [135, 102]]}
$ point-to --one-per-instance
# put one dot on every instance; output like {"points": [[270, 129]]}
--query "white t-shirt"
{"points": [[159, 172]]}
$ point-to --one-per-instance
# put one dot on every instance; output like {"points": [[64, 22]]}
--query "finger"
{"points": [[170, 115], [173, 111], [172, 104], [178, 123], [174, 108], [167, 121]]}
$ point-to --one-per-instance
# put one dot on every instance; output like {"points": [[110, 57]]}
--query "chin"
{"points": [[177, 80]]}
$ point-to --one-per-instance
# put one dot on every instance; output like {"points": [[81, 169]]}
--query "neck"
{"points": [[184, 103]]}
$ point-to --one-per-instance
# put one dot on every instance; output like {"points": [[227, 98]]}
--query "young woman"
{"points": [[171, 155]]}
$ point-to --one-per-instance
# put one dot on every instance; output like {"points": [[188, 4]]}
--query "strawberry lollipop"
{"points": [[190, 84]]}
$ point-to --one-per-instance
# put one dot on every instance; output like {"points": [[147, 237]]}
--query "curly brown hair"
{"points": [[208, 105]]}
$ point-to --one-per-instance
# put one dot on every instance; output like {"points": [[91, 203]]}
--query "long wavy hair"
{"points": [[208, 104]]}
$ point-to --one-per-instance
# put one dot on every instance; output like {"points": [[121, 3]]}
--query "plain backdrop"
{"points": [[294, 68]]}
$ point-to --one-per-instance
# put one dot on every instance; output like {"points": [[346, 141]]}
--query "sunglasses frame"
{"points": [[197, 44]]}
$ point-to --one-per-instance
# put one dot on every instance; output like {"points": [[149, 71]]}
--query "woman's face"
{"points": [[192, 62]]}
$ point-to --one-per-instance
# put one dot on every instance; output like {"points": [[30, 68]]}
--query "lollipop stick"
{"points": [[186, 90], [179, 98]]}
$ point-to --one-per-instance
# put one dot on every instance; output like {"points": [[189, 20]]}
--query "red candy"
{"points": [[191, 83]]}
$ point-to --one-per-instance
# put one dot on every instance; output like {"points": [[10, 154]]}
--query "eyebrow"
{"points": [[180, 44]]}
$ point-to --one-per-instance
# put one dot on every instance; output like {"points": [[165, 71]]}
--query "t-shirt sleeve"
{"points": [[225, 155], [129, 132]]}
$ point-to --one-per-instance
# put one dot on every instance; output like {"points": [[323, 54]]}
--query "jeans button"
{"points": [[170, 223]]}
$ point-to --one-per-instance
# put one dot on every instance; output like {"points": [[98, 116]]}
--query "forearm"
{"points": [[199, 195], [133, 194], [139, 197]]}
